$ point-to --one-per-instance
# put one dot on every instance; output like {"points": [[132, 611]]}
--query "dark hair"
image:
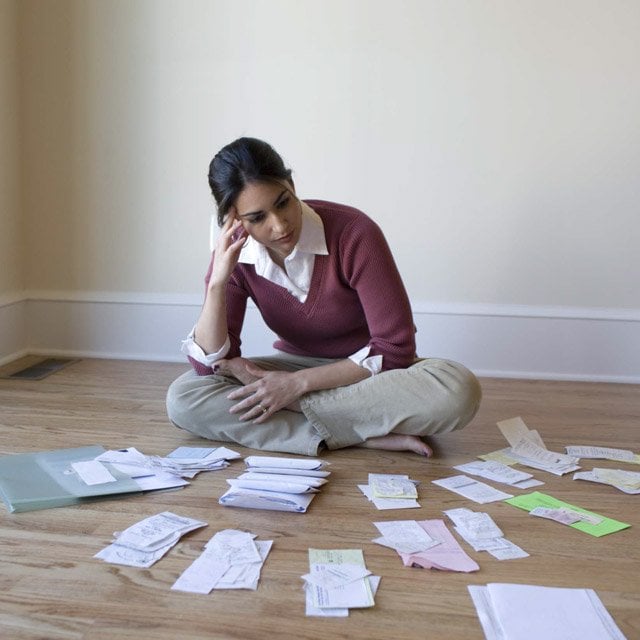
{"points": [[241, 162]]}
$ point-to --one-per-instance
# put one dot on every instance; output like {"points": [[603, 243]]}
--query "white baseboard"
{"points": [[492, 340]]}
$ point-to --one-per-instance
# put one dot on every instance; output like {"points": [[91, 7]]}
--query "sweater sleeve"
{"points": [[371, 271], [236, 308]]}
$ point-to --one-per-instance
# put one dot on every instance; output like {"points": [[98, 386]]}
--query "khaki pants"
{"points": [[432, 396]]}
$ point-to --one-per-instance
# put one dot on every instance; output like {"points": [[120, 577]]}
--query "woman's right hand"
{"points": [[227, 251]]}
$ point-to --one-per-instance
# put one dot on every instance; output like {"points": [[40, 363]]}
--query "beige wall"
{"points": [[497, 143], [11, 249]]}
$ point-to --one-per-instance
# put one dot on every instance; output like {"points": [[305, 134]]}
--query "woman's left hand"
{"points": [[271, 391]]}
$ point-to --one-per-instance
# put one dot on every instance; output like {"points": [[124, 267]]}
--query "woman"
{"points": [[345, 372]]}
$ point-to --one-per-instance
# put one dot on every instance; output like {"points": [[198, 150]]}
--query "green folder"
{"points": [[30, 481], [529, 501]]}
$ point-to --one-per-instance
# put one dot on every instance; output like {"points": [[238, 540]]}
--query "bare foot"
{"points": [[235, 368], [399, 442]]}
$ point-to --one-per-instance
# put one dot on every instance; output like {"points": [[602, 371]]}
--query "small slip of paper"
{"points": [[480, 531], [602, 453], [626, 481], [391, 491], [144, 543], [338, 580], [231, 559], [472, 489]]}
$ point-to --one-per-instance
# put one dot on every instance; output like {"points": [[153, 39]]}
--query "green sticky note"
{"points": [[529, 501]]}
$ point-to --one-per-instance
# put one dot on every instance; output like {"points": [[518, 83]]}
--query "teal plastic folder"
{"points": [[30, 481]]}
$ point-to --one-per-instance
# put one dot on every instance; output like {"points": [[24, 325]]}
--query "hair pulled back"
{"points": [[239, 163]]}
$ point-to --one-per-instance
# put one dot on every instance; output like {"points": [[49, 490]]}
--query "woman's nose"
{"points": [[278, 222]]}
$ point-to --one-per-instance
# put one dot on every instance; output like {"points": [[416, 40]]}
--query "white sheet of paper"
{"points": [[472, 489], [92, 472], [526, 612]]}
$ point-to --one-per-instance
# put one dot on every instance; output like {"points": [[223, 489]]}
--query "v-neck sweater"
{"points": [[356, 298]]}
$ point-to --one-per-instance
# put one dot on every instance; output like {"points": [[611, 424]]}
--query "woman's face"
{"points": [[271, 214]]}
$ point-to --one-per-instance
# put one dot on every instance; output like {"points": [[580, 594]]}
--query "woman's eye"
{"points": [[283, 203], [257, 218]]}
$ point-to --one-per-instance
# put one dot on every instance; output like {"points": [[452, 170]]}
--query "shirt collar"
{"points": [[311, 241]]}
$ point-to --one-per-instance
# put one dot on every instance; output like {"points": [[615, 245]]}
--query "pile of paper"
{"points": [[472, 489], [144, 543], [338, 580], [499, 472], [280, 484], [389, 491], [483, 534], [627, 481], [528, 449], [427, 544], [231, 560], [527, 612], [183, 462]]}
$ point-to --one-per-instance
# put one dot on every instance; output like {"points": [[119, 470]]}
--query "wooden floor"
{"points": [[51, 587]]}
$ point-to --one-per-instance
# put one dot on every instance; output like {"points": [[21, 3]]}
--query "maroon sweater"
{"points": [[356, 298]]}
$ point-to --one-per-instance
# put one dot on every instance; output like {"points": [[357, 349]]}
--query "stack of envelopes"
{"points": [[279, 484]]}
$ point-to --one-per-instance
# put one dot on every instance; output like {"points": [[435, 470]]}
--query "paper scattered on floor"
{"points": [[432, 548], [627, 481], [499, 472], [602, 527], [282, 484], [156, 472], [391, 491], [338, 580], [528, 448], [230, 560], [472, 489], [527, 612], [480, 531], [144, 543]]}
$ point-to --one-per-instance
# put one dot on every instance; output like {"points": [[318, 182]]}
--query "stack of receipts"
{"points": [[480, 531], [156, 472], [279, 484], [528, 449], [338, 580], [427, 544], [230, 560], [144, 543], [499, 472], [527, 612], [389, 491]]}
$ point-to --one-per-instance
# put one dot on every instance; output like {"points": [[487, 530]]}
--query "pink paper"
{"points": [[446, 556]]}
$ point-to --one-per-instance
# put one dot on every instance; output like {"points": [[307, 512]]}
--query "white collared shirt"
{"points": [[298, 265], [295, 278]]}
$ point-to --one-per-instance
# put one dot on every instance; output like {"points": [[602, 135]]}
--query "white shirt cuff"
{"points": [[371, 363], [191, 348]]}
